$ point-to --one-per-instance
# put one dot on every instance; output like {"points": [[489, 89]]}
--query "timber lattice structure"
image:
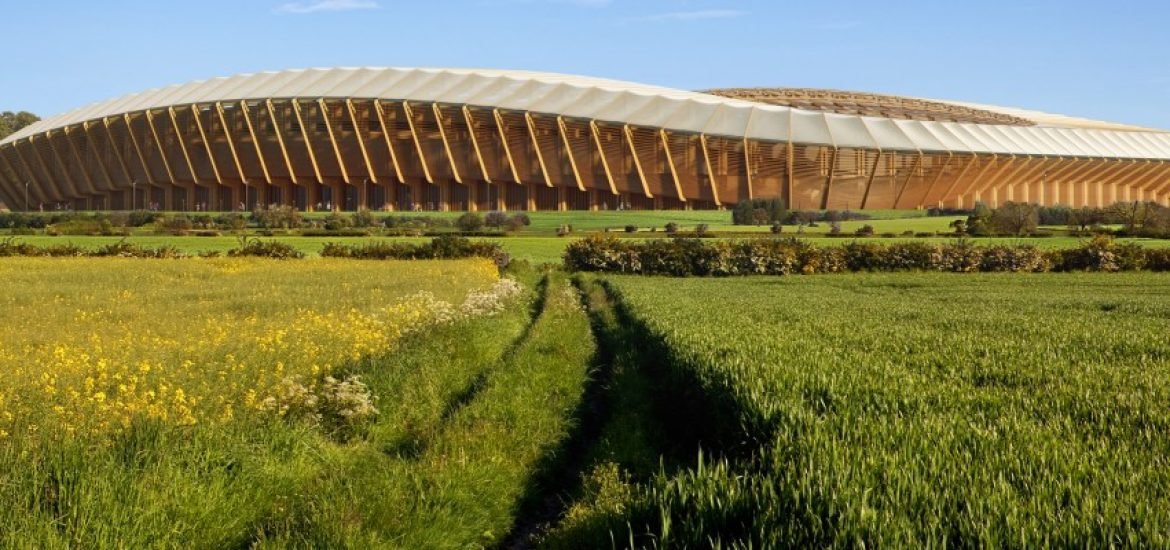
{"points": [[434, 139]]}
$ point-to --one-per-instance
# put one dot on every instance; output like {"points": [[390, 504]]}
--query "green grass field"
{"points": [[257, 403], [241, 402], [884, 410]]}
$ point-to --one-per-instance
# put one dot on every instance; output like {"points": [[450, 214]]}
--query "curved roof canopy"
{"points": [[635, 104]]}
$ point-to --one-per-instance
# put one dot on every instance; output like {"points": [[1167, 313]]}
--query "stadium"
{"points": [[454, 139]]}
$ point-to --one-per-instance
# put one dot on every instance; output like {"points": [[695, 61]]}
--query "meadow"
{"points": [[247, 402], [917, 409], [211, 403]]}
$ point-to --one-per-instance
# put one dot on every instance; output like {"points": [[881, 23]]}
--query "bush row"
{"points": [[445, 247], [121, 249], [692, 257]]}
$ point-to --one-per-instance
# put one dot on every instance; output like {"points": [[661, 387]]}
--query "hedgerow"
{"points": [[696, 258]]}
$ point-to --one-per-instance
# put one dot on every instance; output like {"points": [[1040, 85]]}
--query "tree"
{"points": [[1015, 218], [760, 216], [1086, 217], [979, 222], [1131, 215], [11, 122], [748, 212]]}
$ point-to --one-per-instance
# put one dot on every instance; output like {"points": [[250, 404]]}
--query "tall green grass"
{"points": [[469, 414], [896, 410]]}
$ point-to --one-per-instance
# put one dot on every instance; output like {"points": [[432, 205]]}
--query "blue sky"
{"points": [[1090, 59]]}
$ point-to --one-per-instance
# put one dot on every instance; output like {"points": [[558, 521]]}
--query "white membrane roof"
{"points": [[642, 105]]}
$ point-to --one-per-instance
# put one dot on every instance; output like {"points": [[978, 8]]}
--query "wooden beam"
{"points": [[979, 177], [276, 129], [61, 195], [963, 172], [670, 163], [1159, 174], [110, 185], [711, 169], [41, 185], [475, 143], [564, 131], [178, 137], [64, 167], [504, 142], [902, 191], [357, 132], [747, 164], [333, 140], [536, 147], [122, 163], [637, 161], [138, 150], [255, 141], [296, 105], [1150, 179], [388, 135], [422, 157], [446, 144], [998, 176], [593, 129], [869, 181], [227, 132], [829, 180], [10, 169], [81, 164], [207, 143]]}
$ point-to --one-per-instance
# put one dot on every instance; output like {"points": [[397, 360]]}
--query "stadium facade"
{"points": [[449, 139]]}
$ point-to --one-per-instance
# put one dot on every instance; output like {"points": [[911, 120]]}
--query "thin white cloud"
{"points": [[326, 5], [696, 15]]}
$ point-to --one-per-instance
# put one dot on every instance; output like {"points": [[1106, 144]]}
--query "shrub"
{"points": [[1101, 253], [1158, 259], [564, 230], [177, 224], [777, 228], [277, 217], [631, 229], [442, 247], [759, 212], [864, 231], [469, 221], [123, 249], [495, 219], [671, 228], [959, 257], [139, 218], [514, 224], [522, 218], [693, 257], [265, 249], [1024, 258], [702, 230], [362, 218], [335, 221]]}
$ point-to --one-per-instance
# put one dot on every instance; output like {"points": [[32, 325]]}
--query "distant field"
{"points": [[878, 410]]}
